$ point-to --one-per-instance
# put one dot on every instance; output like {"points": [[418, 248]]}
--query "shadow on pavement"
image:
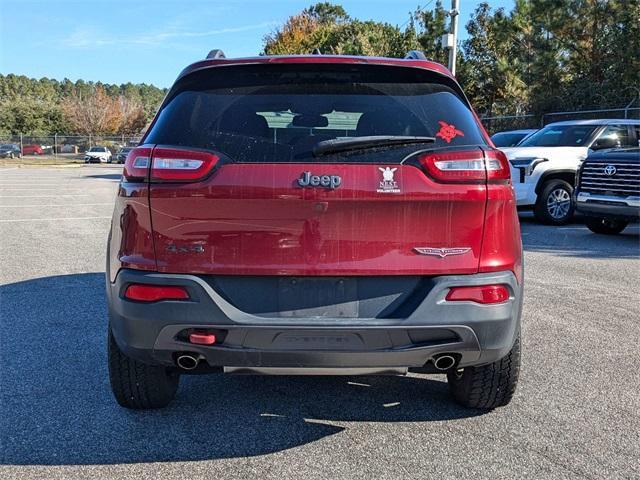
{"points": [[106, 176], [576, 240], [57, 407]]}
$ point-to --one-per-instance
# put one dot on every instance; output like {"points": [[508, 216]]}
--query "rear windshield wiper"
{"points": [[362, 143]]}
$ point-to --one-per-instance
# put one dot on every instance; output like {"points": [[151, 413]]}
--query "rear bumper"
{"points": [[476, 334], [609, 206]]}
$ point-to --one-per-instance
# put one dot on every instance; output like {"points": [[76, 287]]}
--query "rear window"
{"points": [[278, 113]]}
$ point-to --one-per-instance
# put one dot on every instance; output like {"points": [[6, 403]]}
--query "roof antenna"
{"points": [[316, 51], [215, 54]]}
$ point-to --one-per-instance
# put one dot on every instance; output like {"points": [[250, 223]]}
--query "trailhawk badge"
{"points": [[441, 252], [388, 184]]}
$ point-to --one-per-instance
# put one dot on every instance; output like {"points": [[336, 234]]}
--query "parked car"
{"points": [[97, 154], [32, 150], [387, 245], [608, 190], [10, 150], [544, 165], [121, 156], [510, 138]]}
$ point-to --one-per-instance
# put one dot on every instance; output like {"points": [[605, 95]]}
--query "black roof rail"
{"points": [[415, 55], [215, 54], [316, 51]]}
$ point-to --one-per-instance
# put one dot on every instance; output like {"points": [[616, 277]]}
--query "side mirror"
{"points": [[606, 142]]}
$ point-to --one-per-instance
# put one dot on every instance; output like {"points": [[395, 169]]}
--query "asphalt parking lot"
{"points": [[576, 413]]}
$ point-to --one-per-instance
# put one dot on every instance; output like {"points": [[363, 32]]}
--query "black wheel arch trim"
{"points": [[563, 174]]}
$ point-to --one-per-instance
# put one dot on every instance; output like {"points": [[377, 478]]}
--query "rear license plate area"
{"points": [[333, 297]]}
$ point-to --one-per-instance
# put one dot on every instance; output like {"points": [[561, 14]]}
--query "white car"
{"points": [[97, 154], [544, 165]]}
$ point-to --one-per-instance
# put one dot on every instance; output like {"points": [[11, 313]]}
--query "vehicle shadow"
{"points": [[576, 240], [57, 408], [106, 176]]}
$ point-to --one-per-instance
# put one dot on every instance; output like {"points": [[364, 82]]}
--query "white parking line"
{"points": [[44, 196], [56, 205], [36, 188], [53, 219]]}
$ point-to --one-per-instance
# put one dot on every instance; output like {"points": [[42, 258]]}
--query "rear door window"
{"points": [[278, 113], [618, 135]]}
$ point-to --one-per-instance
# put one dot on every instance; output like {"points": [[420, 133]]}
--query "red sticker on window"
{"points": [[448, 132]]}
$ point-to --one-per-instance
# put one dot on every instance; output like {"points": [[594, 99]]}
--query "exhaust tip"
{"points": [[444, 362], [187, 361]]}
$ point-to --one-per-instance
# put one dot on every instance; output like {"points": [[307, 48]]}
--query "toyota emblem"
{"points": [[610, 170]]}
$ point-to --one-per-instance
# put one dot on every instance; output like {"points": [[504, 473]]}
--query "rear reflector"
{"points": [[468, 166], [155, 293], [484, 294], [202, 338], [177, 165]]}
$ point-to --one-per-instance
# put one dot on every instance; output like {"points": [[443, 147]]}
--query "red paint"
{"points": [[155, 293], [32, 150], [253, 219], [502, 243], [130, 239], [484, 294], [448, 132]]}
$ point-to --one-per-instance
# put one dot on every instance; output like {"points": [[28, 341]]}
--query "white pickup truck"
{"points": [[544, 165]]}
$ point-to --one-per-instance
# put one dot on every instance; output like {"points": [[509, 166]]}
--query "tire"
{"points": [[606, 226], [139, 386], [555, 204], [11, 155], [488, 386]]}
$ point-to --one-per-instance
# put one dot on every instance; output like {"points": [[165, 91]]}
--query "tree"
{"points": [[96, 113], [31, 106], [329, 28], [493, 77]]}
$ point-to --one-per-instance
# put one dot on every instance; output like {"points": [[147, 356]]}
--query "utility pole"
{"points": [[453, 49]]}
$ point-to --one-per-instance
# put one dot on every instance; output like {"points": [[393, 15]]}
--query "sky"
{"points": [[150, 41]]}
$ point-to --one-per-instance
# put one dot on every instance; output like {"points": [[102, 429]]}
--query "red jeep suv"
{"points": [[315, 215]]}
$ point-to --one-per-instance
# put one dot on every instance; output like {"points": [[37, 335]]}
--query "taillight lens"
{"points": [[154, 293], [455, 167], [177, 165], [497, 166], [136, 166], [467, 166], [484, 294]]}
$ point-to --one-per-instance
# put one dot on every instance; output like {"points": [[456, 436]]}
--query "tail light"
{"points": [[168, 164], [484, 294], [155, 293], [176, 165], [497, 166], [136, 166], [467, 166]]}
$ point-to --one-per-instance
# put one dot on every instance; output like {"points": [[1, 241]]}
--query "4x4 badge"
{"points": [[441, 252]]}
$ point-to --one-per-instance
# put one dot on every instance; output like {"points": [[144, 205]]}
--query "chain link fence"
{"points": [[519, 122], [71, 146]]}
